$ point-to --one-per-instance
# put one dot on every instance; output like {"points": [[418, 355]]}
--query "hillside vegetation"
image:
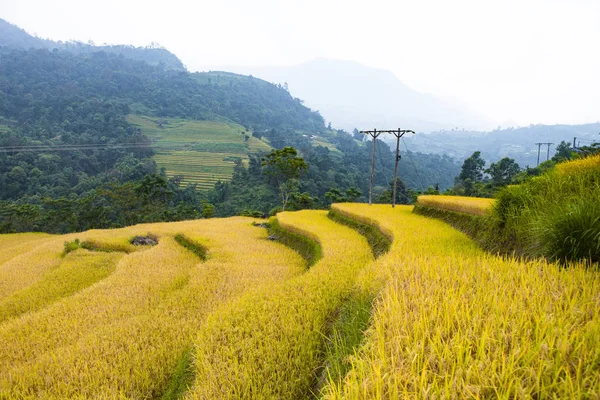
{"points": [[201, 153], [216, 311], [554, 215], [76, 108]]}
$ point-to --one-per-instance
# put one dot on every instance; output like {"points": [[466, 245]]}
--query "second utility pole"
{"points": [[399, 133]]}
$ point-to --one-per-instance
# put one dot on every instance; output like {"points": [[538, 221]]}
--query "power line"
{"points": [[42, 148]]}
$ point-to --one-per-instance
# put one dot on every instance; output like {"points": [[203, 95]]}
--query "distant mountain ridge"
{"points": [[517, 143], [14, 37], [352, 95]]}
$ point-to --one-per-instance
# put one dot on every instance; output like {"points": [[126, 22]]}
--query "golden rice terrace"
{"points": [[217, 311]]}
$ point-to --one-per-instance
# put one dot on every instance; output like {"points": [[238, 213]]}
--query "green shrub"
{"points": [[571, 232], [71, 246], [554, 215]]}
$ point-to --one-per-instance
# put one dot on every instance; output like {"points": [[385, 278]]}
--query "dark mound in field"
{"points": [[144, 241]]}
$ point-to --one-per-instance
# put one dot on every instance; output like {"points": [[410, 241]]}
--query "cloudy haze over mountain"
{"points": [[514, 61], [351, 95]]}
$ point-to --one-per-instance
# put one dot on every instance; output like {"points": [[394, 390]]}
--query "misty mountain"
{"points": [[14, 37], [517, 143], [351, 95]]}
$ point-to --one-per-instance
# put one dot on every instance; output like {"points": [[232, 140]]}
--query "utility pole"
{"points": [[374, 134], [399, 133], [574, 139], [539, 145]]}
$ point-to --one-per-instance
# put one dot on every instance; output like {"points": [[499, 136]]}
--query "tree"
{"points": [[402, 194], [564, 152], [503, 171], [353, 194], [285, 167], [472, 168]]}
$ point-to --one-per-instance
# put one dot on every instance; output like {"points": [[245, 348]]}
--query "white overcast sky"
{"points": [[514, 61]]}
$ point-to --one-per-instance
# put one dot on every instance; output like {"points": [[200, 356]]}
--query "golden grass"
{"points": [[269, 343], [124, 336], [580, 165], [78, 270], [13, 244], [29, 265], [453, 322], [468, 205]]}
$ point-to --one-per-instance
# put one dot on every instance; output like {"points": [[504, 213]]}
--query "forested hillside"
{"points": [[70, 158], [60, 99]]}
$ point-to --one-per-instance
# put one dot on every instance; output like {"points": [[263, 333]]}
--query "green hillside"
{"points": [[203, 152]]}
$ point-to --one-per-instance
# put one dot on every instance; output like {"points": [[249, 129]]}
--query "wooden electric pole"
{"points": [[374, 134], [399, 133]]}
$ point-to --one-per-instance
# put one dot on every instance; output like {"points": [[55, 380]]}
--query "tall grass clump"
{"points": [[557, 214]]}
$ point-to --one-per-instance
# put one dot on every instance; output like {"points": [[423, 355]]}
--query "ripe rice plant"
{"points": [[29, 266], [126, 335], [11, 245], [270, 342], [453, 322], [468, 205], [78, 270], [579, 166]]}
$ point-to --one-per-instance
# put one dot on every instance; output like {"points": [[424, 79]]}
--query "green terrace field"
{"points": [[203, 152]]}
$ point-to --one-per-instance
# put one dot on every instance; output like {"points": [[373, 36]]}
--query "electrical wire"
{"points": [[42, 148]]}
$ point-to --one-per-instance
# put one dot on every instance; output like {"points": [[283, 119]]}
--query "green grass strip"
{"points": [[379, 242], [347, 334], [193, 246], [308, 248], [183, 377]]}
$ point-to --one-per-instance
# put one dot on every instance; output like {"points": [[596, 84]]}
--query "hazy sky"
{"points": [[514, 61]]}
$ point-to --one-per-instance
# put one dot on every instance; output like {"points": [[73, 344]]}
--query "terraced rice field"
{"points": [[203, 152], [434, 317], [124, 333], [468, 205], [451, 321]]}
